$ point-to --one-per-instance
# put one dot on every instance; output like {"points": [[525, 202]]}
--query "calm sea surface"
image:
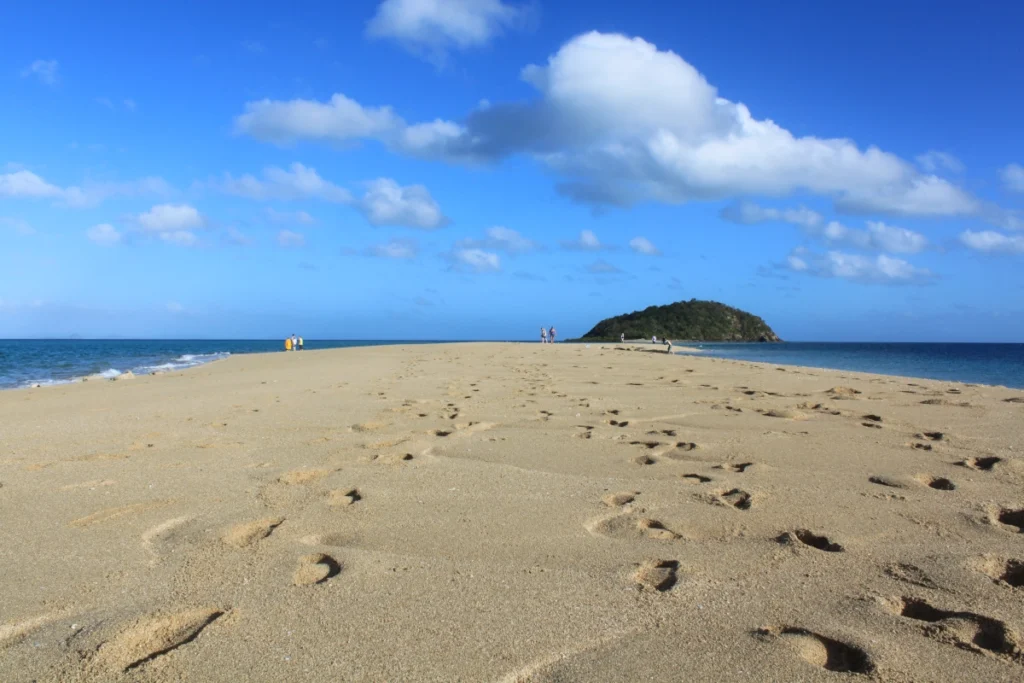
{"points": [[27, 362], [55, 361], [974, 363]]}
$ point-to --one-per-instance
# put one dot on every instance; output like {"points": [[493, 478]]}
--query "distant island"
{"points": [[691, 320]]}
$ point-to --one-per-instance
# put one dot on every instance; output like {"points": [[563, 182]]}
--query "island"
{"points": [[691, 320]]}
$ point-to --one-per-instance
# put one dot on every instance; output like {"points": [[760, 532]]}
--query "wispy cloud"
{"points": [[881, 269], [587, 241], [43, 69], [642, 245], [288, 239], [500, 238], [475, 260], [104, 234], [394, 249], [992, 242]]}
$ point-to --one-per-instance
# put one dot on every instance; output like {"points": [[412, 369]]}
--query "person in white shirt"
{"points": [[543, 335]]}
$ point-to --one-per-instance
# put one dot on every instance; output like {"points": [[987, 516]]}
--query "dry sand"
{"points": [[502, 512]]}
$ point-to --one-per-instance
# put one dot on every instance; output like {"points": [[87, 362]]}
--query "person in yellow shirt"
{"points": [[301, 344], [287, 343]]}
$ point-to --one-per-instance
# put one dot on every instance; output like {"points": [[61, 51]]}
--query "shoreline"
{"points": [[680, 351]]}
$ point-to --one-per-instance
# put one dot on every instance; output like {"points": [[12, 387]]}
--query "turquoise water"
{"points": [[55, 361], [973, 363]]}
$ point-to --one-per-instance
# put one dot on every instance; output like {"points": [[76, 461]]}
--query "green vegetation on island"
{"points": [[691, 320]]}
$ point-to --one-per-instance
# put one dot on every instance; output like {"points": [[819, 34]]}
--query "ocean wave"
{"points": [[188, 360], [183, 362]]}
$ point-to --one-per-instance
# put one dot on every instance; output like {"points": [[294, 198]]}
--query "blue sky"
{"points": [[478, 168]]}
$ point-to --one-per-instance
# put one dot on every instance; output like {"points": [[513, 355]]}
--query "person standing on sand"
{"points": [[551, 334], [668, 346], [543, 335], [622, 337], [301, 344], [295, 342], [287, 343]]}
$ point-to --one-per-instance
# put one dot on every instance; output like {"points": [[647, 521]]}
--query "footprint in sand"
{"points": [[656, 575], [937, 483], [343, 497], [618, 423], [738, 467], [819, 650], [296, 477], [643, 460], [930, 436], [680, 450], [884, 480], [784, 413], [162, 533], [613, 500], [1002, 571], [909, 573], [965, 630], [151, 637], [1011, 519], [695, 479], [244, 535], [811, 539], [628, 526], [984, 464], [315, 568], [737, 498], [108, 514], [368, 426]]}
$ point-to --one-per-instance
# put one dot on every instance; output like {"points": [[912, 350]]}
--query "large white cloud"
{"points": [[1013, 177], [172, 223], [388, 203], [433, 27], [295, 182], [990, 241], [622, 121], [836, 264], [24, 184]]}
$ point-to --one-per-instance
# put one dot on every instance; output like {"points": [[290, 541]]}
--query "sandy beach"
{"points": [[511, 512]]}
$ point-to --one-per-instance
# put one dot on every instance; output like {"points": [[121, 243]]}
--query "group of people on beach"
{"points": [[293, 343], [546, 336], [654, 340]]}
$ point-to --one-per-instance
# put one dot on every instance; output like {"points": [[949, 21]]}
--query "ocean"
{"points": [[27, 362], [971, 363]]}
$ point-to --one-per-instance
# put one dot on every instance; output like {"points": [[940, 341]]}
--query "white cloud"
{"points": [[339, 120], [236, 237], [388, 203], [300, 217], [105, 101], [934, 161], [394, 249], [43, 69], [433, 27], [748, 213], [1013, 177], [877, 237], [23, 184], [104, 234], [500, 238], [179, 238], [18, 225], [836, 264], [296, 182], [287, 238], [169, 217], [476, 260], [642, 245], [990, 241], [587, 241], [624, 122], [602, 267]]}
